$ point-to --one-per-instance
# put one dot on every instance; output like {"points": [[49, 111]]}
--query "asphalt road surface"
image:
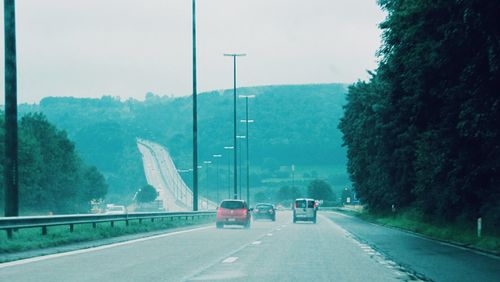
{"points": [[268, 251]]}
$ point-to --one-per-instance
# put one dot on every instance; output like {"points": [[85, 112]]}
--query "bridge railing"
{"points": [[9, 224]]}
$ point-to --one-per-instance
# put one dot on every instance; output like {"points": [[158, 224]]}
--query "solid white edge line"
{"points": [[93, 249]]}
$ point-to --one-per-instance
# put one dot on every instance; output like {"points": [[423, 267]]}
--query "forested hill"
{"points": [[294, 124]]}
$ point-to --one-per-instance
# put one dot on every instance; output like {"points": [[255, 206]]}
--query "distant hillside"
{"points": [[294, 124]]}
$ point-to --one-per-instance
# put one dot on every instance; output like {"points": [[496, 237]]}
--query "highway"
{"points": [[161, 173], [268, 251]]}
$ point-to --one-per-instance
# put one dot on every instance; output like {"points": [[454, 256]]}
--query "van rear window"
{"points": [[310, 204], [232, 205], [300, 203]]}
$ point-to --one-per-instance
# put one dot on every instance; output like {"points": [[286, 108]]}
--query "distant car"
{"points": [[304, 210], [116, 210], [264, 211], [233, 212]]}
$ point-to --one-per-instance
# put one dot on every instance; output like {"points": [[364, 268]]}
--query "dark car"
{"points": [[264, 211], [233, 212]]}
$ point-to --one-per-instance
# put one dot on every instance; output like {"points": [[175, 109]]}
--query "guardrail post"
{"points": [[44, 230], [71, 227], [9, 233], [112, 224], [152, 219], [126, 222], [94, 224], [479, 227], [140, 220]]}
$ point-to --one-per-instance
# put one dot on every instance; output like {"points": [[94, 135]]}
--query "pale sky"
{"points": [[126, 48]]}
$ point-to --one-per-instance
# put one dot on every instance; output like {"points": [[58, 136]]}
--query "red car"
{"points": [[233, 212]]}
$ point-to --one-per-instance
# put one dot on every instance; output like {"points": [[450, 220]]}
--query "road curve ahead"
{"points": [[268, 251]]}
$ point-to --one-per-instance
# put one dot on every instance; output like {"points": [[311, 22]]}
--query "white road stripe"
{"points": [[256, 243], [230, 260], [35, 259], [269, 234]]}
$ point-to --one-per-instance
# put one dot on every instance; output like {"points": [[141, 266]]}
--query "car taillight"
{"points": [[245, 211], [270, 211], [295, 205], [219, 211]]}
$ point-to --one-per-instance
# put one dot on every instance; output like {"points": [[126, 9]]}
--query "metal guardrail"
{"points": [[9, 224]]}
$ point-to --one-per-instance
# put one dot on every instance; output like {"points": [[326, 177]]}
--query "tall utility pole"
{"points": [[217, 156], [240, 163], [235, 196], [247, 121], [195, 117], [229, 171], [11, 176], [207, 181]]}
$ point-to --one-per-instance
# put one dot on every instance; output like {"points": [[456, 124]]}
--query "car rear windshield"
{"points": [[310, 204], [232, 205], [264, 206]]}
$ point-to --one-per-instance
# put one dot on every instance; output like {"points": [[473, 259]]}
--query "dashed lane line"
{"points": [[230, 260]]}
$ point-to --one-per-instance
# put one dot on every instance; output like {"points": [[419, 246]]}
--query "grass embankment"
{"points": [[454, 233], [31, 238]]}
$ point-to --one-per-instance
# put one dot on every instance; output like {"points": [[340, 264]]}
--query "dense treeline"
{"points": [[294, 124], [424, 131], [52, 177]]}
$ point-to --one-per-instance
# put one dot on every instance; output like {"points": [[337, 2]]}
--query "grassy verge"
{"points": [[31, 238], [412, 221]]}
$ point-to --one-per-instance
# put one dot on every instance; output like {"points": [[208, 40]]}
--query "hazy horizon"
{"points": [[128, 48]]}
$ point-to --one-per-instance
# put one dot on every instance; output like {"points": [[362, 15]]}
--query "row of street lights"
{"points": [[235, 136]]}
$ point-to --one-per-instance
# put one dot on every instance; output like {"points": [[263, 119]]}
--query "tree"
{"points": [[147, 194], [261, 197], [287, 193], [319, 189], [422, 132]]}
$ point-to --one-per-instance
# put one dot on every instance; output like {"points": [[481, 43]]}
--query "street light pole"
{"points": [[195, 117], [247, 121], [207, 180], [239, 137], [234, 122], [11, 176], [229, 171], [217, 156]]}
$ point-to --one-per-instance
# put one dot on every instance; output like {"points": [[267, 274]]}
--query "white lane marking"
{"points": [[256, 242], [35, 259], [278, 229], [230, 260], [269, 234]]}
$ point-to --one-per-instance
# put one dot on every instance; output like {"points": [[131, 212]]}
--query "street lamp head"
{"points": [[207, 162], [241, 136], [217, 156], [249, 121], [229, 147], [234, 54], [246, 96]]}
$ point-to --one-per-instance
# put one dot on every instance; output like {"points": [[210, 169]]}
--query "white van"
{"points": [[304, 210]]}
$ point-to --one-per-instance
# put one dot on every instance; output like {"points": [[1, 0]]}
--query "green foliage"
{"points": [[300, 119], [261, 197], [423, 131], [147, 194], [52, 178], [288, 194], [320, 190]]}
